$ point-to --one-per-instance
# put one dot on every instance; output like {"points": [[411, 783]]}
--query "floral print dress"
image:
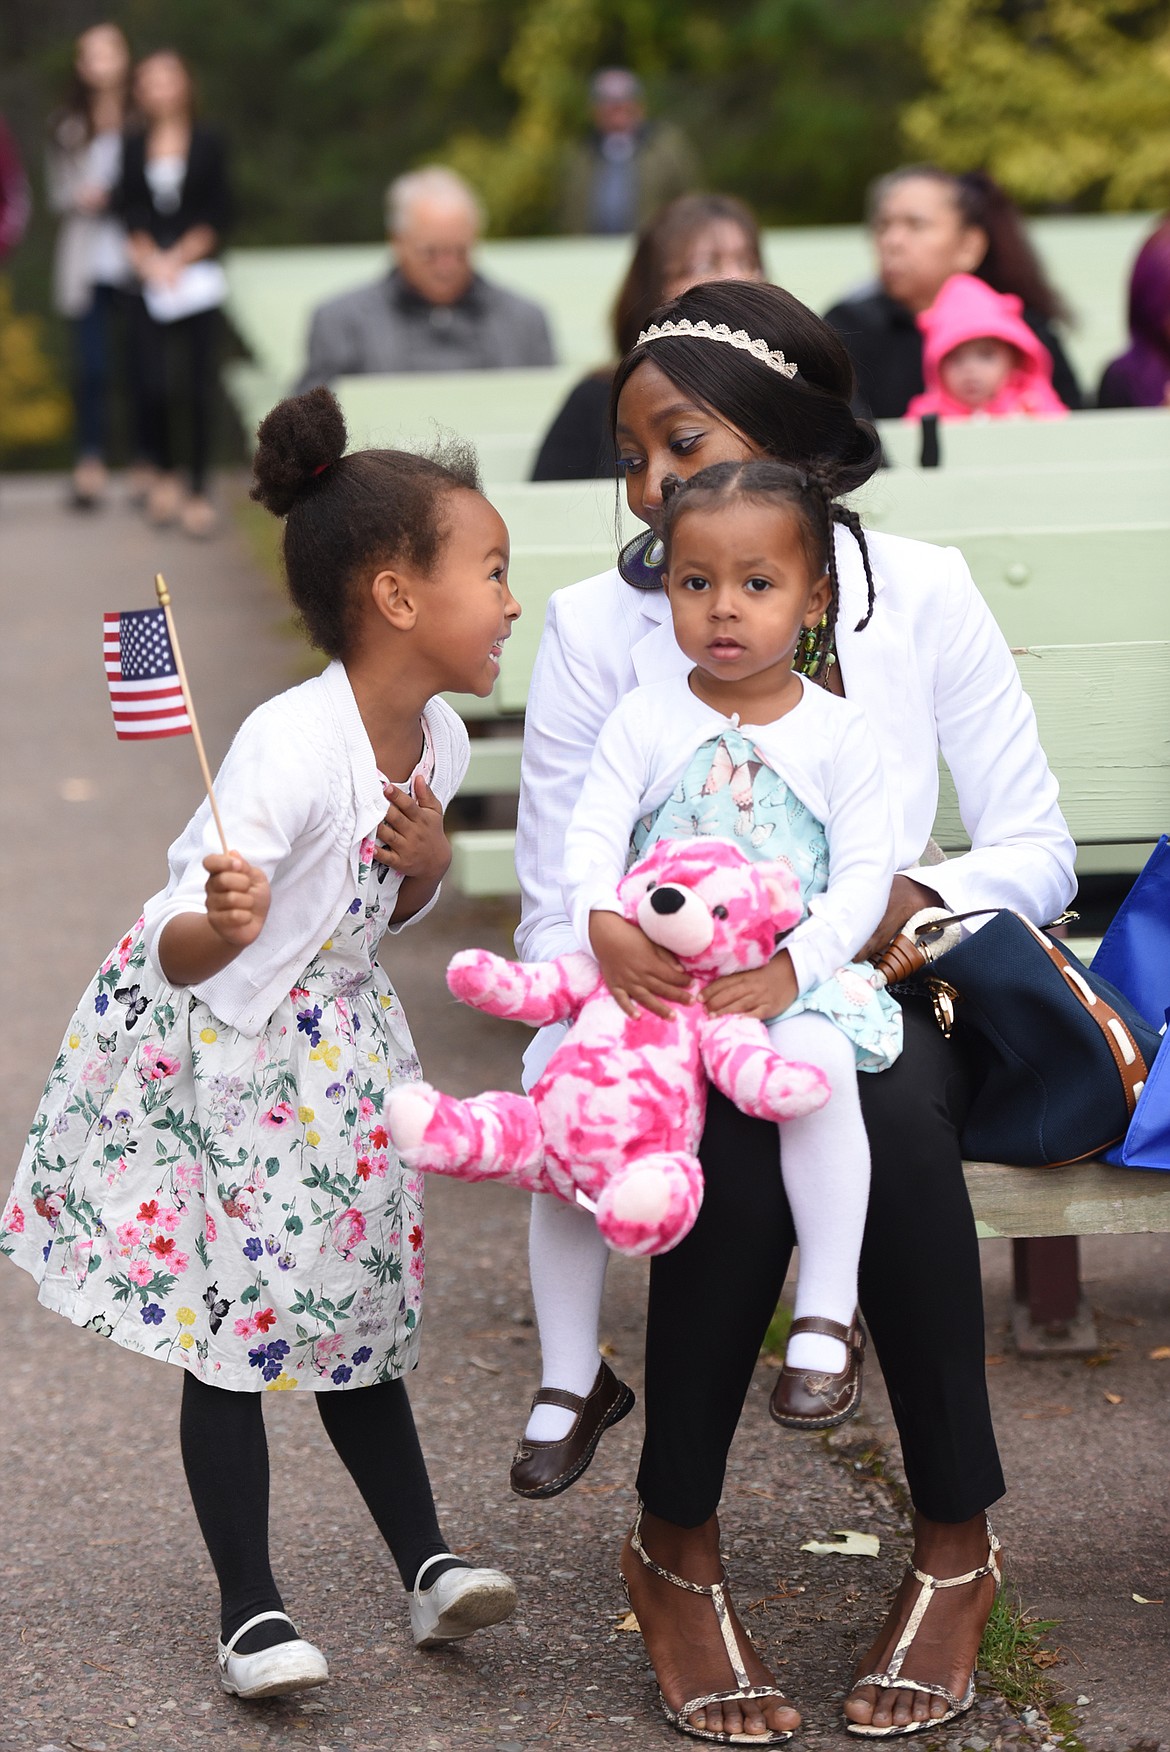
{"points": [[730, 792], [231, 1203]]}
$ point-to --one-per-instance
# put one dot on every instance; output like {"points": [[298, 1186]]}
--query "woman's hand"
{"points": [[412, 838], [762, 992], [906, 898], [640, 974], [238, 897]]}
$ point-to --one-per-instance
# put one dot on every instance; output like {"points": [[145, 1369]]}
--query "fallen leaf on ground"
{"points": [[609, 1350], [1160, 1353], [488, 1368], [1115, 1398], [843, 1543], [1140, 1600], [992, 1361], [1047, 1658], [627, 1621]]}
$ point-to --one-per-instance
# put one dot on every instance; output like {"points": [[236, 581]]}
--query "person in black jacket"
{"points": [[176, 203], [928, 225]]}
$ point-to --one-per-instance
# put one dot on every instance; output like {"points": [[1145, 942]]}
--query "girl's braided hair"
{"points": [[812, 493]]}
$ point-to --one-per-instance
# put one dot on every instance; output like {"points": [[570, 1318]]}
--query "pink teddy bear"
{"points": [[616, 1117]]}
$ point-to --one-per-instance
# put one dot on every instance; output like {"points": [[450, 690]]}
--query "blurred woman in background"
{"points": [[1140, 378], [176, 203], [91, 266], [927, 225], [695, 238]]}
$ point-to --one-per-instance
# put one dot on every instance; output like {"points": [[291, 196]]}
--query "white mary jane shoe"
{"points": [[460, 1602], [285, 1667]]}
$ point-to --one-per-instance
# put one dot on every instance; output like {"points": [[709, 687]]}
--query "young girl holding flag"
{"points": [[207, 1180]]}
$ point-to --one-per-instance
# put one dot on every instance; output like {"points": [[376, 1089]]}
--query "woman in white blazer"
{"points": [[916, 646]]}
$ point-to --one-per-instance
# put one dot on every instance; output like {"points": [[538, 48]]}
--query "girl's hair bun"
{"points": [[297, 443]]}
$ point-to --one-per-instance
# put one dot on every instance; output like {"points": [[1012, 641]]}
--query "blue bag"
{"points": [[1135, 957]]}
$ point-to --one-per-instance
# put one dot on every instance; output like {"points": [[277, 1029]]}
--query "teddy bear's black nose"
{"points": [[667, 900]]}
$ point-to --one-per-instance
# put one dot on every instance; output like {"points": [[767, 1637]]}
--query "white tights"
{"points": [[825, 1165]]}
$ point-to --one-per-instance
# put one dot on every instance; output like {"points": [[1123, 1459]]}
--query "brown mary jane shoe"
{"points": [[804, 1400], [544, 1469]]}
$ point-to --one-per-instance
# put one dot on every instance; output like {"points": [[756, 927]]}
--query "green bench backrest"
{"points": [[1103, 712], [1116, 436], [1010, 496], [504, 412]]}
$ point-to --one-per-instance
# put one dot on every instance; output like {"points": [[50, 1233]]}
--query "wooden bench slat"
{"points": [[1086, 1198]]}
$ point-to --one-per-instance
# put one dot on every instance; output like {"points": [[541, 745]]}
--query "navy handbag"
{"points": [[1059, 1055]]}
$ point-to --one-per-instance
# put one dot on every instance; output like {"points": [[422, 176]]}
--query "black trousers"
{"points": [[176, 367], [921, 1293]]}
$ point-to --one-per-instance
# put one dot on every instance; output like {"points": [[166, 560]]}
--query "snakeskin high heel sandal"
{"points": [[744, 1691], [890, 1678]]}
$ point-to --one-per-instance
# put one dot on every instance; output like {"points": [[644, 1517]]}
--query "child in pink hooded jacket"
{"points": [[979, 357]]}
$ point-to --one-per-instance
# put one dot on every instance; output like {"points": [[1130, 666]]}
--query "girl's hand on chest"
{"points": [[412, 838]]}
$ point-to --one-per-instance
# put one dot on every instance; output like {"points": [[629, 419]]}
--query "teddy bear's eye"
{"points": [[718, 912], [650, 885]]}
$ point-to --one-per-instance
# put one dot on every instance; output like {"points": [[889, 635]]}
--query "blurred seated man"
{"points": [[432, 312], [629, 167]]}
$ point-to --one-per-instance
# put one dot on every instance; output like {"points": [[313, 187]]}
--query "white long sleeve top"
{"points": [[931, 672], [822, 750], [299, 791]]}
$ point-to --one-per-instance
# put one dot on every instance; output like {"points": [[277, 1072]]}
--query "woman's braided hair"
{"points": [[812, 493]]}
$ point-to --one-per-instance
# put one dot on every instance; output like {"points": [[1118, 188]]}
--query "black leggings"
{"points": [[920, 1288], [164, 393], [225, 1456]]}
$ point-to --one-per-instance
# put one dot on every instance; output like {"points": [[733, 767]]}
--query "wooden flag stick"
{"points": [[164, 601]]}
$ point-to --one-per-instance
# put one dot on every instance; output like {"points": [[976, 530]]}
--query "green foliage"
{"points": [[1064, 101], [789, 103], [34, 409]]}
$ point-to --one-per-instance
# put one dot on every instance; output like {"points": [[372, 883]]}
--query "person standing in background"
{"points": [[927, 225], [1140, 378], [91, 264], [176, 203], [629, 167], [15, 204], [697, 237]]}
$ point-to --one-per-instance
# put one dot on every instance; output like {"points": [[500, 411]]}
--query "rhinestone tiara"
{"points": [[705, 331]]}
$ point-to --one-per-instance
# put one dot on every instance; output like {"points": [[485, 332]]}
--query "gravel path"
{"points": [[107, 1616]]}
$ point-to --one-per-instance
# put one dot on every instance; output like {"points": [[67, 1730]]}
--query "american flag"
{"points": [[145, 690]]}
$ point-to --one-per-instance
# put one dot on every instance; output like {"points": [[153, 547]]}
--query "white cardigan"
{"points": [[931, 671], [299, 791], [823, 751]]}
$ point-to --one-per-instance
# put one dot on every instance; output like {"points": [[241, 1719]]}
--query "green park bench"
{"points": [[272, 293], [1096, 437]]}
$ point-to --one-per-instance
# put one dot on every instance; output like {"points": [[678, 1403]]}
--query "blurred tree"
{"points": [[790, 103], [1064, 101]]}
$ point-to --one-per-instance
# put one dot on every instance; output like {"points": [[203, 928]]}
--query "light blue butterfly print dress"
{"points": [[729, 791]]}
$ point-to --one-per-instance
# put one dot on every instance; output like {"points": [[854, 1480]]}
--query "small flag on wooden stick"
{"points": [[145, 690], [148, 684]]}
